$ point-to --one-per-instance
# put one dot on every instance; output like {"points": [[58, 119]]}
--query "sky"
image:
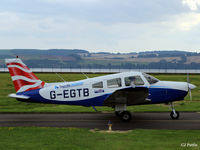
{"points": [[101, 25]]}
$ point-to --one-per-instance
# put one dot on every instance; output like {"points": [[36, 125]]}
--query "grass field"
{"points": [[11, 105], [23, 138], [32, 138]]}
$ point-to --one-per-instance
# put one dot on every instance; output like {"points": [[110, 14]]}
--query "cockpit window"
{"points": [[133, 80], [150, 79], [114, 83]]}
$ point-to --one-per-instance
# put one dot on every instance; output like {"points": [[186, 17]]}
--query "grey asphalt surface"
{"points": [[158, 120]]}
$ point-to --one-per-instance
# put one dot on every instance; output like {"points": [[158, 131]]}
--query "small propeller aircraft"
{"points": [[116, 90]]}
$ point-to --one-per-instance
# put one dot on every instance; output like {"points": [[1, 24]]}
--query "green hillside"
{"points": [[75, 58]]}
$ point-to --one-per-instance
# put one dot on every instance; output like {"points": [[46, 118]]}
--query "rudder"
{"points": [[23, 78]]}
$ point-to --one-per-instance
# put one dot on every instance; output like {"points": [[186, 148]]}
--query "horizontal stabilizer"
{"points": [[18, 96]]}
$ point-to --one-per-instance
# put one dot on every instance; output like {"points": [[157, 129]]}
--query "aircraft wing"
{"points": [[18, 96], [128, 96]]}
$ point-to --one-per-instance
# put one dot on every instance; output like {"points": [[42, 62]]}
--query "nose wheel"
{"points": [[174, 114]]}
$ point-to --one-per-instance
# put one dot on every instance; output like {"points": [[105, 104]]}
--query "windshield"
{"points": [[150, 79]]}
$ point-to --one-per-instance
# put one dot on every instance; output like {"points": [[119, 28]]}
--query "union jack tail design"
{"points": [[23, 78]]}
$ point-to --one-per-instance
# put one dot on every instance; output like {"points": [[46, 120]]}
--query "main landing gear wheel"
{"points": [[174, 115], [124, 115], [118, 113]]}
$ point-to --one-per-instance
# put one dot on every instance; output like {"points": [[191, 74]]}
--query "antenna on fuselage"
{"points": [[60, 77], [85, 75]]}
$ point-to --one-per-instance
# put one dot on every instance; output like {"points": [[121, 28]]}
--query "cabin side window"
{"points": [[97, 85], [133, 80], [114, 83]]}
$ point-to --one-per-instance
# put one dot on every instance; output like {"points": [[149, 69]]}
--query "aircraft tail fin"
{"points": [[23, 78]]}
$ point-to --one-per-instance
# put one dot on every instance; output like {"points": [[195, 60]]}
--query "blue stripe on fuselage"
{"points": [[35, 97], [157, 95]]}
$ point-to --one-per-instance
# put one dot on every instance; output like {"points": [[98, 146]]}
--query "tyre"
{"points": [[174, 115], [118, 113], [125, 116]]}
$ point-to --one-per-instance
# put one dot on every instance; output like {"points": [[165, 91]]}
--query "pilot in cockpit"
{"points": [[132, 81]]}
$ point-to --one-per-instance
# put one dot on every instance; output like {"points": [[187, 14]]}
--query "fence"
{"points": [[75, 70]]}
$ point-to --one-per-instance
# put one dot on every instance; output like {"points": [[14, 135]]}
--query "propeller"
{"points": [[188, 82], [190, 86]]}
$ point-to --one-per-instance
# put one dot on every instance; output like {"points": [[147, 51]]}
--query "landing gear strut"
{"points": [[174, 114], [120, 111]]}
